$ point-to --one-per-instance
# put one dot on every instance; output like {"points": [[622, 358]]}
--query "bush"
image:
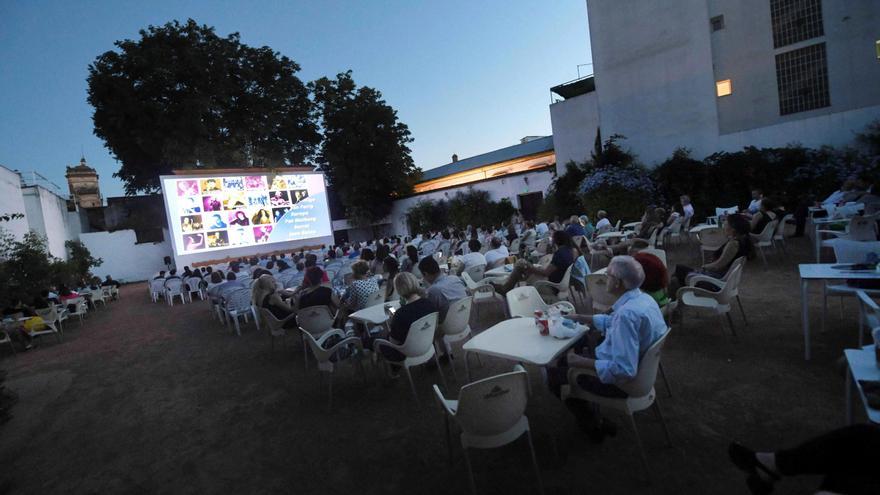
{"points": [[562, 199], [27, 268], [470, 207], [616, 182]]}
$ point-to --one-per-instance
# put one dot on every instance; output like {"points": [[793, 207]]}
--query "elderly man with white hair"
{"points": [[634, 324]]}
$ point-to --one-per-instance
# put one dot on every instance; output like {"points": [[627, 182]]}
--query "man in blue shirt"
{"points": [[634, 324]]}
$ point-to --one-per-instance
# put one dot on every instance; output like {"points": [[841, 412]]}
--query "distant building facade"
{"points": [[714, 75], [83, 183]]}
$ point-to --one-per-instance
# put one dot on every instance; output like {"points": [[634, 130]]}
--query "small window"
{"points": [[802, 78], [717, 23], [795, 20], [723, 88]]}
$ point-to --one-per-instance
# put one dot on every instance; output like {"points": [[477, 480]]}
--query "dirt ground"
{"points": [[145, 398]]}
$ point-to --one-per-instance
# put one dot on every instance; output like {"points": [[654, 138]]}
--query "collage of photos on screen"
{"points": [[235, 211]]}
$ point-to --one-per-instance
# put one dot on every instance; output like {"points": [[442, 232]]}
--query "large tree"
{"points": [[364, 153], [181, 95]]}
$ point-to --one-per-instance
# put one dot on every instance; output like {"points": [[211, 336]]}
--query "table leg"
{"points": [[467, 369], [805, 317], [850, 385], [816, 241]]}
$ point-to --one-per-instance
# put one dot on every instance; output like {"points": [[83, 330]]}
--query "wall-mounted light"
{"points": [[526, 180], [877, 48], [723, 88]]}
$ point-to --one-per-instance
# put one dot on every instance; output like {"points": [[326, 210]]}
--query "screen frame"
{"points": [[202, 257]]}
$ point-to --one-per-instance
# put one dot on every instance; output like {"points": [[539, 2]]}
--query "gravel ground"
{"points": [[145, 398]]}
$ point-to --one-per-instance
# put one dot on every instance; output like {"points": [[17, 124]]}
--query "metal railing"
{"points": [[34, 178]]}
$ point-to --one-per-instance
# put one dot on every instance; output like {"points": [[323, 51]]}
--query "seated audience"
{"points": [[766, 214], [656, 277], [736, 228], [316, 294], [495, 257], [443, 289], [474, 257], [362, 287], [755, 204], [265, 295], [564, 256], [390, 269], [603, 224], [574, 227], [634, 324], [415, 306]]}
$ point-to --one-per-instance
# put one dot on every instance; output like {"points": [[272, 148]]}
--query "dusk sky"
{"points": [[466, 77]]}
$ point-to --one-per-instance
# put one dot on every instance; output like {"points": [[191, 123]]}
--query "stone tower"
{"points": [[83, 182]]}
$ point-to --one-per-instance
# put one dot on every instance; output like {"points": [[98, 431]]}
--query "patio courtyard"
{"points": [[149, 398]]}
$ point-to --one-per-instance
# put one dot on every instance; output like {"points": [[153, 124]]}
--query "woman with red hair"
{"points": [[656, 277]]}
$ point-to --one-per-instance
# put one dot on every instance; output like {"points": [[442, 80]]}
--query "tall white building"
{"points": [[718, 75]]}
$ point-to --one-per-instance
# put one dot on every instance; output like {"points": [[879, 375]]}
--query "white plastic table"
{"points": [[817, 224], [374, 315], [861, 365], [823, 271], [501, 271], [518, 339]]}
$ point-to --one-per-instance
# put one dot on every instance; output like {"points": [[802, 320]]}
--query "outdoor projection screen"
{"points": [[213, 213]]}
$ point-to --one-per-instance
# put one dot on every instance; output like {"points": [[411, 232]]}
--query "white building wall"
{"points": [[47, 215], [652, 63], [506, 187], [123, 259], [11, 201], [574, 121]]}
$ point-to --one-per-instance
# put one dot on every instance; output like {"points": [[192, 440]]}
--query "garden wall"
{"points": [[125, 260]]}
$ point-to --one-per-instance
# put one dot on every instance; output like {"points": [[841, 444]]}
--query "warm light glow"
{"points": [[723, 88], [534, 162], [877, 47]]}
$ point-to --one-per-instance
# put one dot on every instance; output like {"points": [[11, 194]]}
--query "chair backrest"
{"points": [[238, 299], [726, 211], [421, 336], [315, 319], [862, 228], [847, 251], [646, 375], [597, 288], [617, 226], [652, 241], [739, 262], [675, 228], [656, 252], [78, 302], [468, 281], [870, 310], [524, 301], [157, 285], [546, 259], [780, 228], [476, 272], [49, 314], [194, 284], [275, 325], [514, 246], [733, 276], [174, 285], [566, 277], [458, 316], [496, 264], [766, 235], [493, 405]]}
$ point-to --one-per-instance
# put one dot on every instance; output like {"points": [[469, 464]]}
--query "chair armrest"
{"points": [[519, 367], [696, 291], [574, 373], [329, 333], [386, 343], [442, 401], [328, 353], [564, 305], [705, 278], [835, 233], [547, 283]]}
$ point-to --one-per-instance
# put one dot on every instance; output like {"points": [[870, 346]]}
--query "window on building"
{"points": [[717, 23], [802, 79], [795, 20], [723, 88]]}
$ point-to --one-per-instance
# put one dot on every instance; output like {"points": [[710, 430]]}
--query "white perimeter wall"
{"points": [[574, 123], [47, 215], [11, 201], [506, 187], [123, 259]]}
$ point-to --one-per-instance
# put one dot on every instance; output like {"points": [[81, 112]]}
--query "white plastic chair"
{"points": [[720, 212], [476, 272], [237, 303], [721, 282], [325, 357], [556, 291], [859, 228], [50, 329], [316, 321], [656, 252], [375, 298], [847, 251], [779, 235], [81, 308], [274, 326], [4, 339], [157, 288], [50, 315], [174, 288], [417, 349], [716, 303], [673, 232], [481, 292], [490, 413], [456, 326], [764, 239], [869, 313], [98, 297], [711, 240], [640, 391], [522, 302], [194, 286]]}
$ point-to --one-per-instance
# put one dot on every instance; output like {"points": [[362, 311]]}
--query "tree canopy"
{"points": [[364, 152], [181, 95]]}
